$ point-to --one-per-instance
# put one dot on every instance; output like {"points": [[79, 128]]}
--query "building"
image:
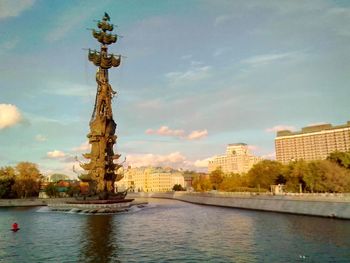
{"points": [[312, 142], [237, 159], [150, 179]]}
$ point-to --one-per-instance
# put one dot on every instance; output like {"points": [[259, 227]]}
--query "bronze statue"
{"points": [[102, 172]]}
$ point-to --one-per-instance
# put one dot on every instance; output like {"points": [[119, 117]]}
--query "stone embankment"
{"points": [[324, 205], [31, 201]]}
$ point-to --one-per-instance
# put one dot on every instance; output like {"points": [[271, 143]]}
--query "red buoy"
{"points": [[15, 227]]}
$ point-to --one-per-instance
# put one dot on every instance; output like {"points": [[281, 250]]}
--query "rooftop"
{"points": [[312, 129]]}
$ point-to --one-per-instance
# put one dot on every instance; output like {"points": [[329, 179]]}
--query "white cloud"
{"points": [[316, 124], [269, 156], [222, 19], [9, 115], [195, 135], [13, 8], [56, 154], [166, 131], [40, 138], [268, 58], [175, 160], [85, 146], [280, 128], [203, 163], [196, 72]]}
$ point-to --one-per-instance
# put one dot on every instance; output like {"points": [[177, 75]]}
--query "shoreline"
{"points": [[307, 205], [332, 206]]}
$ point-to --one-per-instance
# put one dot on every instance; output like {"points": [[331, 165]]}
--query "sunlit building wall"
{"points": [[237, 159], [150, 179], [312, 143]]}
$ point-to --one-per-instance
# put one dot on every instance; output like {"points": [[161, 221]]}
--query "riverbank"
{"points": [[333, 206], [32, 201]]}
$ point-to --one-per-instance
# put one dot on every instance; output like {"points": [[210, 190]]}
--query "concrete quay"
{"points": [[322, 205]]}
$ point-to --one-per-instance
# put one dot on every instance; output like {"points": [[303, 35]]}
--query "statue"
{"points": [[101, 171]]}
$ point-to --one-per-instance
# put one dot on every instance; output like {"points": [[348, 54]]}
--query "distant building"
{"points": [[237, 159], [150, 179], [312, 143]]}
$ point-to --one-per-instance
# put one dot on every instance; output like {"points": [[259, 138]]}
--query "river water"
{"points": [[171, 231]]}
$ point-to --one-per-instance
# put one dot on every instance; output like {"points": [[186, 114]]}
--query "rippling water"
{"points": [[172, 231]]}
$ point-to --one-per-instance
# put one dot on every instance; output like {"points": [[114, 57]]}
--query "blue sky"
{"points": [[197, 75]]}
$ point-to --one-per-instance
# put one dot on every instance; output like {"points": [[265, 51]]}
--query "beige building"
{"points": [[150, 179], [237, 159], [312, 143]]}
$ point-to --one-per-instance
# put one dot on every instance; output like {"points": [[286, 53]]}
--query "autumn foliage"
{"points": [[331, 175]]}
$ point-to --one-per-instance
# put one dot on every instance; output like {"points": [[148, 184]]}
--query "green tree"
{"points": [[294, 174], [58, 177], [178, 187], [264, 174], [329, 177], [7, 180], [52, 190], [73, 190], [27, 180], [340, 158], [216, 178], [233, 183]]}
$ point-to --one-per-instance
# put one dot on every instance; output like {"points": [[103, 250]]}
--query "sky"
{"points": [[195, 76]]}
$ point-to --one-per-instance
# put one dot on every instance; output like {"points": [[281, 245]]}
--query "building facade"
{"points": [[150, 179], [237, 159], [312, 143]]}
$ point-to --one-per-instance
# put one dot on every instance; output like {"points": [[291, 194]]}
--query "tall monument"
{"points": [[101, 170]]}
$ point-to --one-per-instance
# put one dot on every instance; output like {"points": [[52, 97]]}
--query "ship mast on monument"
{"points": [[101, 170]]}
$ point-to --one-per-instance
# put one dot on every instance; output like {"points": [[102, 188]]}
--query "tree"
{"points": [[201, 184], [329, 177], [264, 174], [58, 177], [7, 180], [294, 174], [216, 178], [233, 183], [27, 180], [340, 158], [52, 190], [73, 190], [178, 187]]}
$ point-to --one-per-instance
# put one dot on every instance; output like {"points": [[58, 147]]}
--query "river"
{"points": [[171, 231]]}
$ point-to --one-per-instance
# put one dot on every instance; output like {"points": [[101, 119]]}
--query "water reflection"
{"points": [[333, 231], [99, 244]]}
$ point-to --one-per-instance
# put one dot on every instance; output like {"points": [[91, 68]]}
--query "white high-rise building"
{"points": [[312, 142], [237, 159]]}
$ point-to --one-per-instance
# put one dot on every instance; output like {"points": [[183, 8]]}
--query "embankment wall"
{"points": [[324, 206]]}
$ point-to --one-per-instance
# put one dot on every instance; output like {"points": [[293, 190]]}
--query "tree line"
{"points": [[330, 175], [20, 181]]}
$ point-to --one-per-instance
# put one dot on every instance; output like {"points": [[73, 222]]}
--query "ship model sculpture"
{"points": [[101, 170]]}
